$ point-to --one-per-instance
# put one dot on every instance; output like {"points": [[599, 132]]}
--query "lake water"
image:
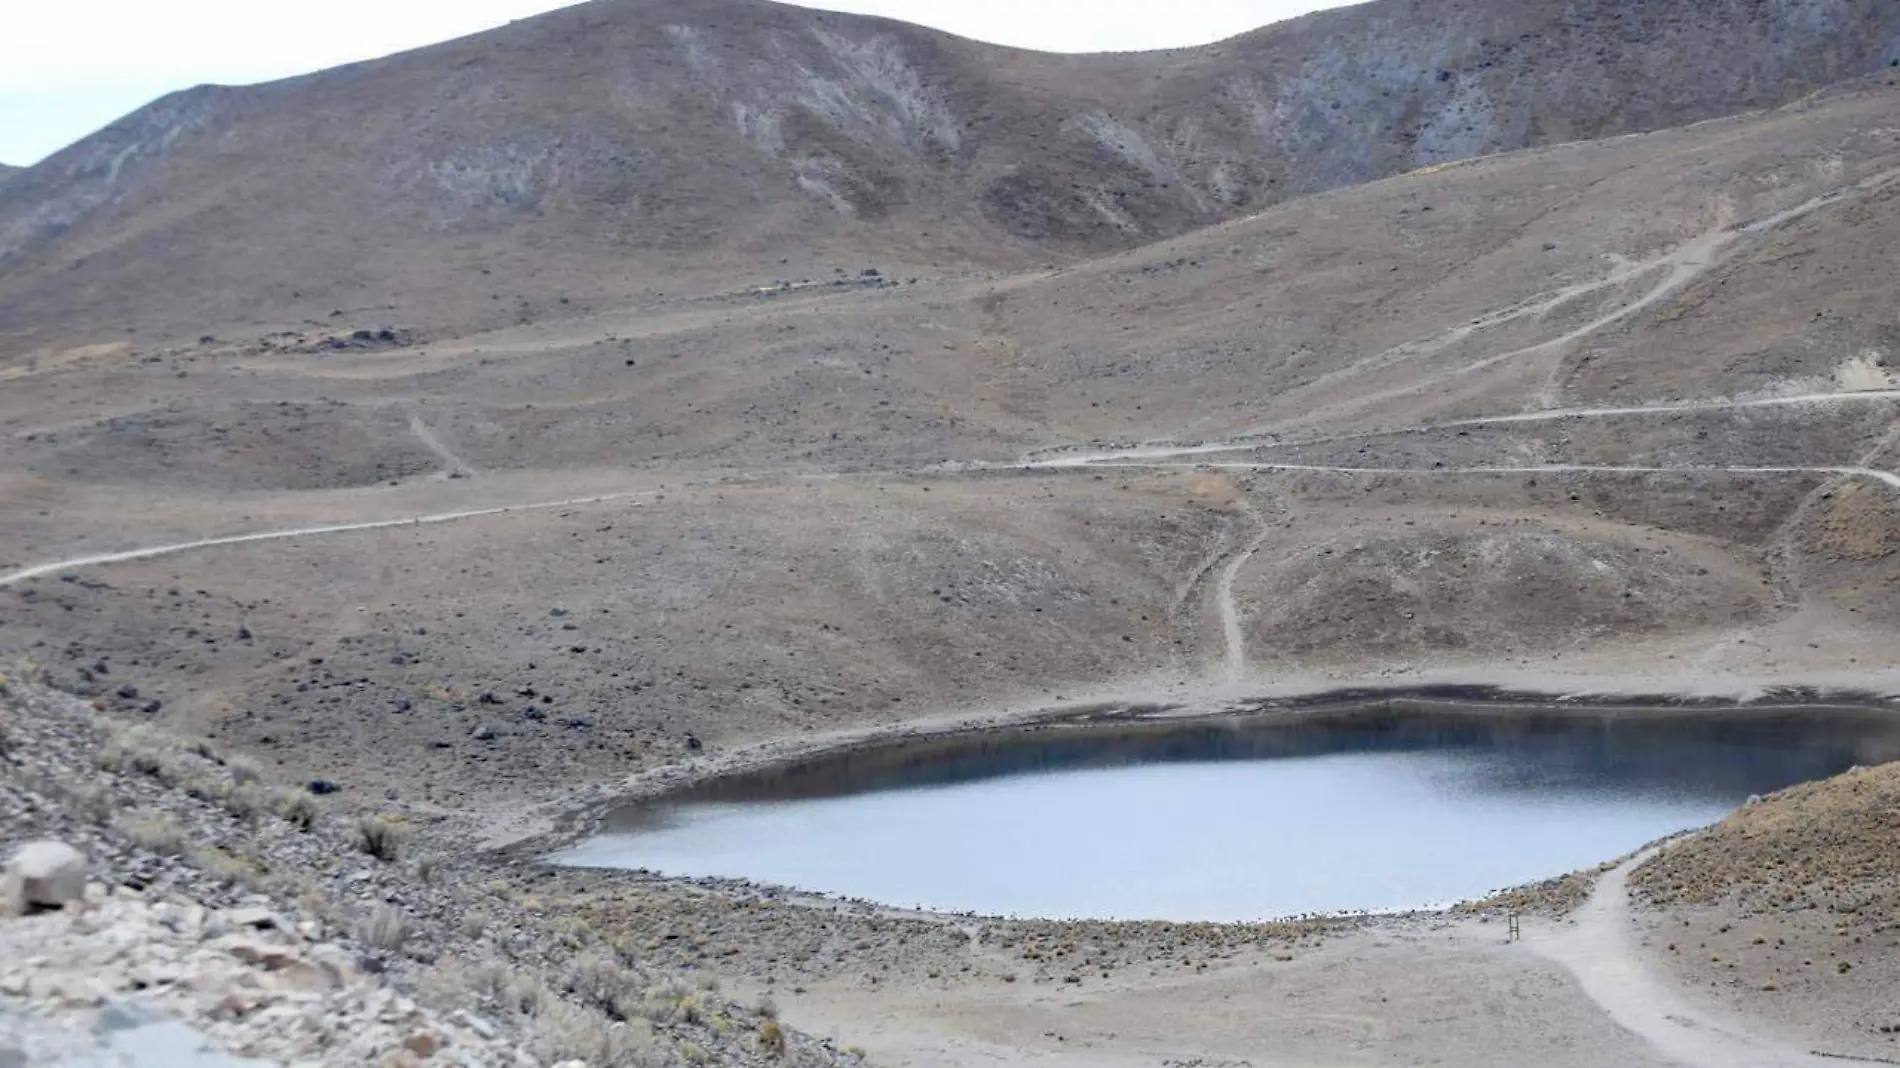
{"points": [[1374, 809]]}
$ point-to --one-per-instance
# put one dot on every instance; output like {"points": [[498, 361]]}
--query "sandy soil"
{"points": [[1420, 992]]}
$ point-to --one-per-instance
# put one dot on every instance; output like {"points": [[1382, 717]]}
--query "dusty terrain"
{"points": [[1408, 444], [972, 385]]}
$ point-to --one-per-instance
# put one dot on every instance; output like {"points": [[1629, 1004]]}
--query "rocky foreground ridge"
{"points": [[164, 905]]}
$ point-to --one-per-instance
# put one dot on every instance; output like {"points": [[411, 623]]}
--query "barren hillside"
{"points": [[631, 150], [1618, 414]]}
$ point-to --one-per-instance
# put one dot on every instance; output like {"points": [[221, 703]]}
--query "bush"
{"points": [[384, 928], [475, 923], [298, 809], [243, 769], [143, 750], [381, 838], [594, 979], [772, 1037], [159, 834], [245, 801]]}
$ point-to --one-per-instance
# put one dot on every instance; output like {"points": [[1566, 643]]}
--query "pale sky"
{"points": [[68, 67]]}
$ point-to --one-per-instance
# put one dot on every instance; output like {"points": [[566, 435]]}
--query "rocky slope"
{"points": [[623, 149], [205, 906], [1786, 910]]}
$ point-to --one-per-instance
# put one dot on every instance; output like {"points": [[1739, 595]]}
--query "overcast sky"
{"points": [[68, 67]]}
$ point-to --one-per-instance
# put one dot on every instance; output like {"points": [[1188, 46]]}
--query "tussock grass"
{"points": [[384, 928], [158, 834], [298, 809], [382, 838], [772, 1038], [475, 923]]}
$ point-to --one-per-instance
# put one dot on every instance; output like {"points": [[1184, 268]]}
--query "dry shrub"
{"points": [[772, 1038], [243, 769], [143, 750], [159, 834], [384, 928], [475, 923], [298, 809], [382, 838]]}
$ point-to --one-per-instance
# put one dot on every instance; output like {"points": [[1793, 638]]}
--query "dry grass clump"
{"points": [[563, 1029], [246, 872], [298, 809], [475, 923], [382, 838], [160, 834], [384, 928], [1825, 844], [243, 770], [772, 1038], [142, 750]]}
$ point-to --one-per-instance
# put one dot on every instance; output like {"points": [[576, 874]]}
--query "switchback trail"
{"points": [[1672, 270]]}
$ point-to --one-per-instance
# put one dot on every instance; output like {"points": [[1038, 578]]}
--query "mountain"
{"points": [[631, 150]]}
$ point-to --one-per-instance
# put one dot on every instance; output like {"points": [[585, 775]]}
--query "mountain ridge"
{"points": [[627, 149]]}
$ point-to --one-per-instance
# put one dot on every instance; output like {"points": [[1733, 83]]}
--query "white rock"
{"points": [[260, 918], [12, 895], [475, 1023], [48, 874]]}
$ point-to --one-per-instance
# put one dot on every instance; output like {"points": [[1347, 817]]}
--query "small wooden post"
{"points": [[1516, 932]]}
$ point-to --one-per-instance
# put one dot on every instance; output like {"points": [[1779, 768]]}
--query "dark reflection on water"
{"points": [[1386, 806], [1725, 752]]}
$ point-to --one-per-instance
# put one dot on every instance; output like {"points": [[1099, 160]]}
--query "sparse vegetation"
{"points": [[772, 1038], [475, 923], [298, 809], [383, 928], [243, 770], [382, 837], [160, 834]]}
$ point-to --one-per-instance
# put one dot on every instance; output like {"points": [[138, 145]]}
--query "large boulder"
{"points": [[45, 874]]}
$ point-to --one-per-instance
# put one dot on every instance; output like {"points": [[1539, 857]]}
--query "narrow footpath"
{"points": [[1598, 944]]}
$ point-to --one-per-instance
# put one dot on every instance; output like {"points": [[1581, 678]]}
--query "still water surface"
{"points": [[1372, 810]]}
